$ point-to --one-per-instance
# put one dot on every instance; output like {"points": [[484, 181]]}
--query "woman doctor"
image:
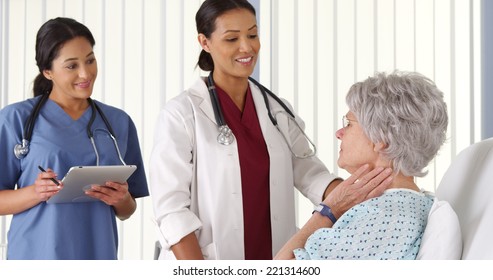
{"points": [[223, 195], [60, 118]]}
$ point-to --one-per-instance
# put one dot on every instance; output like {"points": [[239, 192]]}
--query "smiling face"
{"points": [[356, 149], [234, 44], [73, 72]]}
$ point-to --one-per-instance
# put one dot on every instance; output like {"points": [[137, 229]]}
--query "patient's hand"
{"points": [[360, 186]]}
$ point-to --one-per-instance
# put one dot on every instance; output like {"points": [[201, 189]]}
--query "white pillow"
{"points": [[442, 239]]}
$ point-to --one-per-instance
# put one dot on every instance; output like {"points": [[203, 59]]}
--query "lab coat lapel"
{"points": [[261, 109], [199, 90]]}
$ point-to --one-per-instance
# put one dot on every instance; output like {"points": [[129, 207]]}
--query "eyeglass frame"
{"points": [[346, 120]]}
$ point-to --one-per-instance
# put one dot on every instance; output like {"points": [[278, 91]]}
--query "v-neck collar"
{"points": [[53, 111], [230, 109]]}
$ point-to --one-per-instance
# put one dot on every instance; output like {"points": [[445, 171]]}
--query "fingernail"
{"points": [[388, 170]]}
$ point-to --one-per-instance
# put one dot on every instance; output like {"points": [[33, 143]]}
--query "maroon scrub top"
{"points": [[254, 164]]}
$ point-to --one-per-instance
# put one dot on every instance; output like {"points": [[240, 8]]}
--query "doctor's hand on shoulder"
{"points": [[115, 194]]}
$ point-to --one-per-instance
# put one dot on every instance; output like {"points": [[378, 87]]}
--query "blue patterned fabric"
{"points": [[389, 227]]}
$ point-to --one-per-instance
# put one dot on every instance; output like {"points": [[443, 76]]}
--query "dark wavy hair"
{"points": [[205, 20], [51, 37]]}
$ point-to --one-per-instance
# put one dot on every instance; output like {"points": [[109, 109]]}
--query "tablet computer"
{"points": [[80, 178]]}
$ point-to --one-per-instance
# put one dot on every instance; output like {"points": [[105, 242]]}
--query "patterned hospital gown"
{"points": [[389, 227]]}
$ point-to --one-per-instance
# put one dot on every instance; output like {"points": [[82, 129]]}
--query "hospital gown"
{"points": [[72, 230], [387, 227]]}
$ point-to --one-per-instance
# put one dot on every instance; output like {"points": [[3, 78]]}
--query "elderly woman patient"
{"points": [[395, 121]]}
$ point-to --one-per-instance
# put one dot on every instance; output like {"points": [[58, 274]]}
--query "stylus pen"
{"points": [[52, 179]]}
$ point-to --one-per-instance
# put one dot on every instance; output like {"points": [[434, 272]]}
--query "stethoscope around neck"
{"points": [[226, 136], [21, 150]]}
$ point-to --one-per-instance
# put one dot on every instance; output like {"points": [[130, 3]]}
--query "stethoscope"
{"points": [[21, 150], [226, 136]]}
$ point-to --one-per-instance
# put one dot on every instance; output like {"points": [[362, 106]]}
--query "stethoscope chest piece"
{"points": [[225, 136], [21, 150]]}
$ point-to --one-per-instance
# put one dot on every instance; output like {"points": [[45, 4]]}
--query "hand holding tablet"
{"points": [[79, 179]]}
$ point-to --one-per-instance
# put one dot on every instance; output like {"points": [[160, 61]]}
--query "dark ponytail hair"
{"points": [[205, 20], [51, 37]]}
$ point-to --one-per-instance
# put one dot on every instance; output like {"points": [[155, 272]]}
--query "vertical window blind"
{"points": [[312, 52]]}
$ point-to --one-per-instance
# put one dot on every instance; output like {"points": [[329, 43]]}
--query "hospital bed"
{"points": [[467, 186]]}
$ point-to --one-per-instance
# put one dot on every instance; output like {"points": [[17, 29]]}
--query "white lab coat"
{"points": [[195, 182]]}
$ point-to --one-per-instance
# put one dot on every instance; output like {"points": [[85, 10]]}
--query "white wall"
{"points": [[312, 51]]}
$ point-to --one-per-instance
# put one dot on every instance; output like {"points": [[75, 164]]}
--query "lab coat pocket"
{"points": [[209, 251]]}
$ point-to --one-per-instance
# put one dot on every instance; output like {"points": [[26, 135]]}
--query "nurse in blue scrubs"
{"points": [[60, 139]]}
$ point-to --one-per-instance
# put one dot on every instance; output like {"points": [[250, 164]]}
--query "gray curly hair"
{"points": [[404, 110]]}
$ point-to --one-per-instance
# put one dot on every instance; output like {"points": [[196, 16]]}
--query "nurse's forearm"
{"points": [[124, 209], [188, 248], [16, 201]]}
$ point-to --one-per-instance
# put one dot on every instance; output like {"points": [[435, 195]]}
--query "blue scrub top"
{"points": [[70, 230]]}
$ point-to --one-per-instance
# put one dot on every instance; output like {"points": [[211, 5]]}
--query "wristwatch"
{"points": [[326, 211]]}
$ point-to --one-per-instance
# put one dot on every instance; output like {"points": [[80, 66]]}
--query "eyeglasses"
{"points": [[345, 121]]}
